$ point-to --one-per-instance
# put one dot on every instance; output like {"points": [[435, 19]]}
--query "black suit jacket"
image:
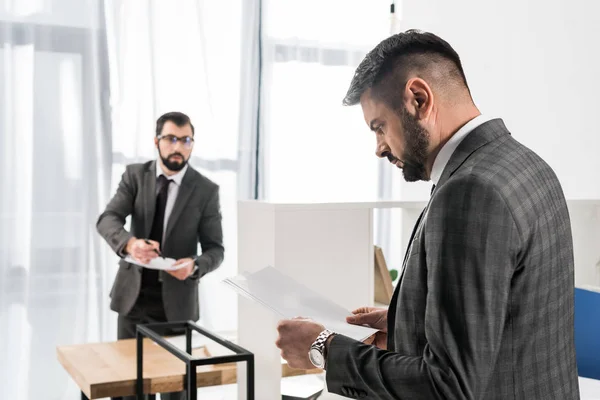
{"points": [[195, 218]]}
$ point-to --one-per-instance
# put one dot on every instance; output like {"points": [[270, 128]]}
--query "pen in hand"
{"points": [[155, 250]]}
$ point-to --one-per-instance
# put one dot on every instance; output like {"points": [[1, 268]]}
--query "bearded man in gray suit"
{"points": [[173, 208], [484, 305]]}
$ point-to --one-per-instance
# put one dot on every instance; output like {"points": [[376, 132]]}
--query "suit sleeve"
{"points": [[210, 236], [471, 243], [111, 223]]}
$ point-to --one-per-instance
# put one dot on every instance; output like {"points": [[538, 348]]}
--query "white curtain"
{"points": [[314, 148], [183, 56], [54, 146]]}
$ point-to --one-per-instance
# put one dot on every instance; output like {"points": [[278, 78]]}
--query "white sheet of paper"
{"points": [[302, 386], [293, 385], [589, 389], [289, 299], [165, 264]]}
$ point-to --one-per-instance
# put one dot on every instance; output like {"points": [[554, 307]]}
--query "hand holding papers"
{"points": [[165, 264], [289, 299]]}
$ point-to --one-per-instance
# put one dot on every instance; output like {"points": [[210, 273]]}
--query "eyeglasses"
{"points": [[172, 140]]}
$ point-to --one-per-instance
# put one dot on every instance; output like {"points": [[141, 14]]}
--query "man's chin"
{"points": [[175, 166], [413, 174], [410, 178]]}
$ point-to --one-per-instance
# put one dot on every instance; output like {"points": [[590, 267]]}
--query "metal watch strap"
{"points": [[319, 343]]}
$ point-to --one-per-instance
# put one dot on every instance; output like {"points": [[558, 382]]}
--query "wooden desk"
{"points": [[109, 369]]}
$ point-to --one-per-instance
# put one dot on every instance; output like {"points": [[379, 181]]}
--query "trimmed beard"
{"points": [[414, 156], [174, 166]]}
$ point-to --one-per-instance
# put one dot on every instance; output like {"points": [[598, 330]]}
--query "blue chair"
{"points": [[587, 332]]}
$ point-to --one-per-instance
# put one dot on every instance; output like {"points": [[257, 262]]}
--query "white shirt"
{"points": [[441, 160], [173, 191]]}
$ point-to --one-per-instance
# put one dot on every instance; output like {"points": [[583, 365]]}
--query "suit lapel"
{"points": [[478, 138], [149, 196], [185, 191], [394, 300]]}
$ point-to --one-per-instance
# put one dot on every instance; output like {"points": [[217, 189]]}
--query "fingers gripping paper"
{"points": [[289, 299], [160, 263]]}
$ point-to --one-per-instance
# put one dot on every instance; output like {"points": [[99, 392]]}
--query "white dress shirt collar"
{"points": [[448, 149], [177, 178]]}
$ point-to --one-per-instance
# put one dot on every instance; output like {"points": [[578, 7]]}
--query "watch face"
{"points": [[316, 358]]}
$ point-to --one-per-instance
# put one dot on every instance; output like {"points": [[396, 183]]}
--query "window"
{"points": [[318, 150], [52, 116]]}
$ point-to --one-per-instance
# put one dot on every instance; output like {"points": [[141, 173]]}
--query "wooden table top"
{"points": [[109, 369]]}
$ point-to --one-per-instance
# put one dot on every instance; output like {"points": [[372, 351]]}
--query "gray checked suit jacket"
{"points": [[196, 218], [484, 307]]}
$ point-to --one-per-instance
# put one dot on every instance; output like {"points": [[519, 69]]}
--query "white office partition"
{"points": [[329, 248]]}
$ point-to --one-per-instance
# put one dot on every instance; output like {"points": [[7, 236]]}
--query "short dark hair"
{"points": [[176, 117], [387, 66]]}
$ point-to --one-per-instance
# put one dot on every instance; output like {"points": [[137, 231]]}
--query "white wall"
{"points": [[585, 220], [536, 64]]}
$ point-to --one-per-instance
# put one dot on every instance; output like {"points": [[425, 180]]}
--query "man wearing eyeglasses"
{"points": [[172, 208]]}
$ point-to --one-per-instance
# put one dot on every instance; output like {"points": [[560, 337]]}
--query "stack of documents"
{"points": [[160, 263], [289, 299]]}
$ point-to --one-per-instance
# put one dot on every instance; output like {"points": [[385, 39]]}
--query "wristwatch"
{"points": [[316, 354]]}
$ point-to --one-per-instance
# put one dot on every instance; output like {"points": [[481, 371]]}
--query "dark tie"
{"points": [[150, 276], [156, 233]]}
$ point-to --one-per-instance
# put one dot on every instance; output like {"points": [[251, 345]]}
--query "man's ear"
{"points": [[419, 98]]}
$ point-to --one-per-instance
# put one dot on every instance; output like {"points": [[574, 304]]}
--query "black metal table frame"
{"points": [[241, 355]]}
